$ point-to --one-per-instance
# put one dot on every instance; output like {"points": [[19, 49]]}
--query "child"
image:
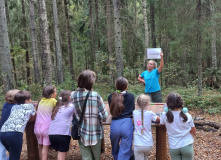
{"points": [[43, 120], [143, 140], [180, 128], [59, 130], [13, 128], [6, 110], [91, 129], [121, 108]]}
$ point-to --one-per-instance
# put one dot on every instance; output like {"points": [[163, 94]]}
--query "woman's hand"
{"points": [[140, 79], [161, 54]]}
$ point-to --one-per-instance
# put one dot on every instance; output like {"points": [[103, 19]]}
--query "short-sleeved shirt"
{"points": [[62, 121], [178, 131], [146, 138], [91, 130], [151, 80], [19, 117], [44, 111], [6, 110]]}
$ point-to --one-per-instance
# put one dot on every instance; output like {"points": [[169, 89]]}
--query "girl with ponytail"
{"points": [[143, 140], [59, 129], [180, 128], [121, 131]]}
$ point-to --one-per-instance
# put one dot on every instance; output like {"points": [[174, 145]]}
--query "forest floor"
{"points": [[207, 145]]}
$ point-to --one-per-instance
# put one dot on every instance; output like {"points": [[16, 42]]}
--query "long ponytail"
{"points": [[117, 104], [63, 100], [117, 100]]}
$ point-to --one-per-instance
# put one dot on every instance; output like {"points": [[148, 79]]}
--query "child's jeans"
{"points": [[3, 155], [142, 152], [121, 135], [13, 143]]}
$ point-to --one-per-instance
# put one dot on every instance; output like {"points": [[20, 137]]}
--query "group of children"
{"points": [[53, 121], [133, 125]]}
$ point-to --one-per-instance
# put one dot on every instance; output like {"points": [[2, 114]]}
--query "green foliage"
{"points": [[209, 102]]}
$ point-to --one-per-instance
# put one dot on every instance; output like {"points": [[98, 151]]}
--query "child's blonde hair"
{"points": [[143, 101], [10, 96]]}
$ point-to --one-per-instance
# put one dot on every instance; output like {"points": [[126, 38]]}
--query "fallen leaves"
{"points": [[207, 145]]}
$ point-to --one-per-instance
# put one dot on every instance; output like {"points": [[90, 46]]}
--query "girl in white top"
{"points": [[143, 118], [180, 128]]}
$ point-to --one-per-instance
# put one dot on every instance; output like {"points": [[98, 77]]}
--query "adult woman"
{"points": [[91, 131], [150, 78]]}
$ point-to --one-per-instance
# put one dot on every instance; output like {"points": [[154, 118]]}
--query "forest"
{"points": [[51, 42]]}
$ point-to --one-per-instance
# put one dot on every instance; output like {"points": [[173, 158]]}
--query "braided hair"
{"points": [[143, 101]]}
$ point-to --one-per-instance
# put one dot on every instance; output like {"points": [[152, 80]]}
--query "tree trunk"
{"points": [[34, 42], [57, 44], [11, 44], [97, 23], [146, 32], [45, 44], [152, 21], [118, 40], [93, 55], [213, 41], [28, 72], [70, 52], [109, 29], [199, 42], [6, 68]]}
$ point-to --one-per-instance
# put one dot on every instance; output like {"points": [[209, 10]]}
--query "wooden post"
{"points": [[161, 153], [31, 140], [102, 145]]}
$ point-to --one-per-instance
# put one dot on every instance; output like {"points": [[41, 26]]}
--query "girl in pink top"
{"points": [[43, 120]]}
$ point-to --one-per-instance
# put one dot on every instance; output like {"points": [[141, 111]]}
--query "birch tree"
{"points": [[57, 44], [118, 40], [6, 67]]}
